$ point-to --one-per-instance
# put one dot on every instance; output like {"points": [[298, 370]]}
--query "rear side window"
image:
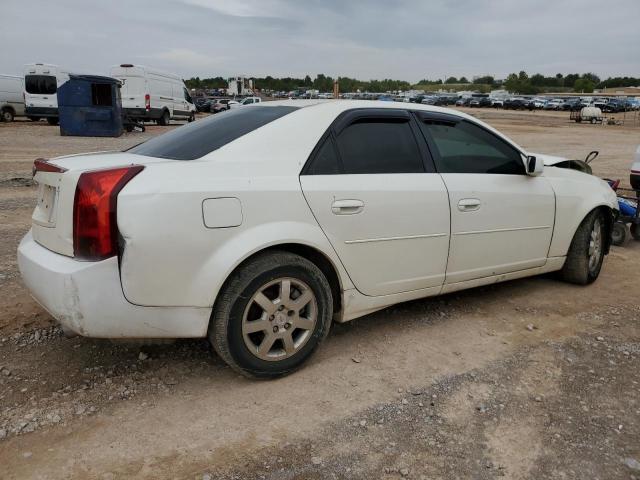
{"points": [[40, 84], [463, 147], [379, 146], [197, 139], [325, 161]]}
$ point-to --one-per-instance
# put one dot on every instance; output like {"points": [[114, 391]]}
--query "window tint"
{"points": [[204, 136], [379, 146], [325, 161], [40, 84], [467, 148]]}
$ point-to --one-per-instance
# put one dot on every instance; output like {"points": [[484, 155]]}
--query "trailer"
{"points": [[587, 114]]}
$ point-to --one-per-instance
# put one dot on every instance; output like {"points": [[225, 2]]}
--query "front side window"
{"points": [[40, 84], [379, 146], [187, 97], [463, 147]]}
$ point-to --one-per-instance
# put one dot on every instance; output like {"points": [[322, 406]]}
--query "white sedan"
{"points": [[260, 227]]}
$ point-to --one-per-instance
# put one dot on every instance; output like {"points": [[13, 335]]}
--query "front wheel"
{"points": [[586, 253], [192, 117], [635, 231], [271, 315]]}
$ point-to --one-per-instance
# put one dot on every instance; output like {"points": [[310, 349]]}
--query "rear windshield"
{"points": [[40, 84], [204, 136]]}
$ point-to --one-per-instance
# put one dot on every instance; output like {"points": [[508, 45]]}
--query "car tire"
{"points": [[164, 119], [7, 115], [34, 119], [52, 120], [191, 118], [619, 234], [240, 326], [586, 253], [635, 231]]}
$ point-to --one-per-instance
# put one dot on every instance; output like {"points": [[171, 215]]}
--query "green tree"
{"points": [[451, 80], [583, 85]]}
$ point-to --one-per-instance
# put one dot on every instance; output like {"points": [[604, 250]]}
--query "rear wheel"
{"points": [[164, 119], [34, 119], [52, 120], [271, 315], [619, 234], [7, 115], [586, 253]]}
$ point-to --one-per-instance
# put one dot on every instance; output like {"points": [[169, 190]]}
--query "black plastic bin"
{"points": [[90, 106]]}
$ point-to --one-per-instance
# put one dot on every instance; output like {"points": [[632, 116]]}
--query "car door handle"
{"points": [[469, 204], [347, 207]]}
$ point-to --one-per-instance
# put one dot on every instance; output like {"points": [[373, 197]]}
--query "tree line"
{"points": [[516, 82]]}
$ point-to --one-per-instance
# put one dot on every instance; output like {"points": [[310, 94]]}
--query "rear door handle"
{"points": [[347, 207], [469, 204]]}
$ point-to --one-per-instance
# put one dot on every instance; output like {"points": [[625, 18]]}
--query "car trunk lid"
{"points": [[52, 219]]}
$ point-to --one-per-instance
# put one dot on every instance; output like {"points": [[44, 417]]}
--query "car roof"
{"points": [[292, 137]]}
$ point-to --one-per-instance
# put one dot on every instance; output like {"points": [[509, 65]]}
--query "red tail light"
{"points": [[95, 228], [41, 165], [147, 102]]}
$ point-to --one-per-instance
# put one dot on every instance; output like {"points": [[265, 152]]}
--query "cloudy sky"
{"points": [[402, 39]]}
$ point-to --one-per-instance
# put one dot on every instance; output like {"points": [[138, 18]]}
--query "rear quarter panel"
{"points": [[170, 257]]}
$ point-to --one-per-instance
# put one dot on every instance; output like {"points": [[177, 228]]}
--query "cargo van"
{"points": [[11, 97], [41, 82], [150, 95]]}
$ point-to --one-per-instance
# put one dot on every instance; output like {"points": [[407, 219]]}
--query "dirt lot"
{"points": [[531, 379]]}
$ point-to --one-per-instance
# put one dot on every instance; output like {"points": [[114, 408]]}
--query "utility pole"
{"points": [[336, 89]]}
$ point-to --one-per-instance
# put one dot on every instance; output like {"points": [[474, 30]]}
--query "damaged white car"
{"points": [[259, 227]]}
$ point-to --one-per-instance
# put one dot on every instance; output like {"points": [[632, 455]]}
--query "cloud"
{"points": [[187, 59], [404, 39]]}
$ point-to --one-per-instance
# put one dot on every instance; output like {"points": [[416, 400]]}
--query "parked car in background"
{"points": [[41, 82], [11, 97], [151, 95], [517, 104], [202, 104], [463, 102], [613, 106], [480, 102], [573, 105], [497, 103], [289, 220], [244, 102], [555, 104]]}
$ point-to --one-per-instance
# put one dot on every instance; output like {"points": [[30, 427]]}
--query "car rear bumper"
{"points": [[41, 111], [87, 298]]}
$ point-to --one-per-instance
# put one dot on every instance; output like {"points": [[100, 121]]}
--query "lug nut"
{"points": [[275, 329], [281, 307], [287, 326], [271, 317]]}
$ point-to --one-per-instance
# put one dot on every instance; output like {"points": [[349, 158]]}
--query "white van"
{"points": [[11, 97], [152, 95], [41, 82]]}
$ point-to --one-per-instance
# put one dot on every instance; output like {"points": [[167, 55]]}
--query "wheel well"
{"points": [[316, 257], [7, 107], [608, 223]]}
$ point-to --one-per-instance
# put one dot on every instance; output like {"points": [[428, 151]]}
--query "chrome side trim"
{"points": [[388, 239], [497, 230]]}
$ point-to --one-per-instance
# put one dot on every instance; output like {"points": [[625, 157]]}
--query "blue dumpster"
{"points": [[90, 106]]}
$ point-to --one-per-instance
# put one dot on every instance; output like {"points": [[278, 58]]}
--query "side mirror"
{"points": [[534, 166]]}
